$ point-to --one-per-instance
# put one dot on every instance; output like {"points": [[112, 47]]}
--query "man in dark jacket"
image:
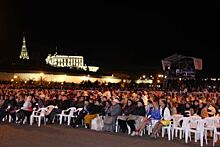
{"points": [[8, 107], [137, 114], [64, 104]]}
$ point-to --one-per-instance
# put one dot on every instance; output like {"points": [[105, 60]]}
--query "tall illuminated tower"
{"points": [[24, 53]]}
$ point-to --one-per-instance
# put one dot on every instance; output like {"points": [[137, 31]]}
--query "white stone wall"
{"points": [[55, 77]]}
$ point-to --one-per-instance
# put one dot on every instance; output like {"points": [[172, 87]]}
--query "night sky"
{"points": [[112, 35]]}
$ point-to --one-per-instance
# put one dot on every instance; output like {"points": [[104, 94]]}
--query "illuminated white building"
{"points": [[69, 61]]}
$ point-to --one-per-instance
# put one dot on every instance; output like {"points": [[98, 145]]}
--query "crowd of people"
{"points": [[132, 108]]}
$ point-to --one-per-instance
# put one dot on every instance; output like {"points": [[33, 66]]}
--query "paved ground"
{"points": [[14, 135]]}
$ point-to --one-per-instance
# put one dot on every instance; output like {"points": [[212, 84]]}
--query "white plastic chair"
{"points": [[180, 127], [49, 110], [198, 130], [195, 117], [211, 124], [215, 136], [73, 114], [65, 114], [149, 127], [168, 130], [175, 118], [39, 114]]}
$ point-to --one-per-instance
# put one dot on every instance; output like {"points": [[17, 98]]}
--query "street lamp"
{"points": [[41, 78], [42, 74], [15, 78]]}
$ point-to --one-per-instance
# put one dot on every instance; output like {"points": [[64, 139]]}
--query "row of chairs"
{"points": [[40, 114], [182, 125], [68, 115], [186, 126], [198, 126]]}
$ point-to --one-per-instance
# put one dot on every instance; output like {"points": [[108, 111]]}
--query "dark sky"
{"points": [[126, 34]]}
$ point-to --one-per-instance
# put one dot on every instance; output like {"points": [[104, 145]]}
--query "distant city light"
{"points": [[12, 80], [213, 79], [124, 81], [15, 77], [158, 81], [160, 76], [180, 79], [145, 81], [25, 81], [144, 76]]}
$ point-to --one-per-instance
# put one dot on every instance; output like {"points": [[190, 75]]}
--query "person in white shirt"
{"points": [[26, 110]]}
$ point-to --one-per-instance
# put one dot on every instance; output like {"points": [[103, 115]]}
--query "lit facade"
{"points": [[69, 61]]}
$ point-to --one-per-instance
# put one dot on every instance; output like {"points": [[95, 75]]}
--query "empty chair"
{"points": [[198, 130], [215, 136], [211, 124], [66, 114], [39, 114], [180, 125]]}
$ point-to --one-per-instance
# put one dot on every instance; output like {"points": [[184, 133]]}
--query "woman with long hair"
{"points": [[153, 114], [122, 120], [165, 118]]}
